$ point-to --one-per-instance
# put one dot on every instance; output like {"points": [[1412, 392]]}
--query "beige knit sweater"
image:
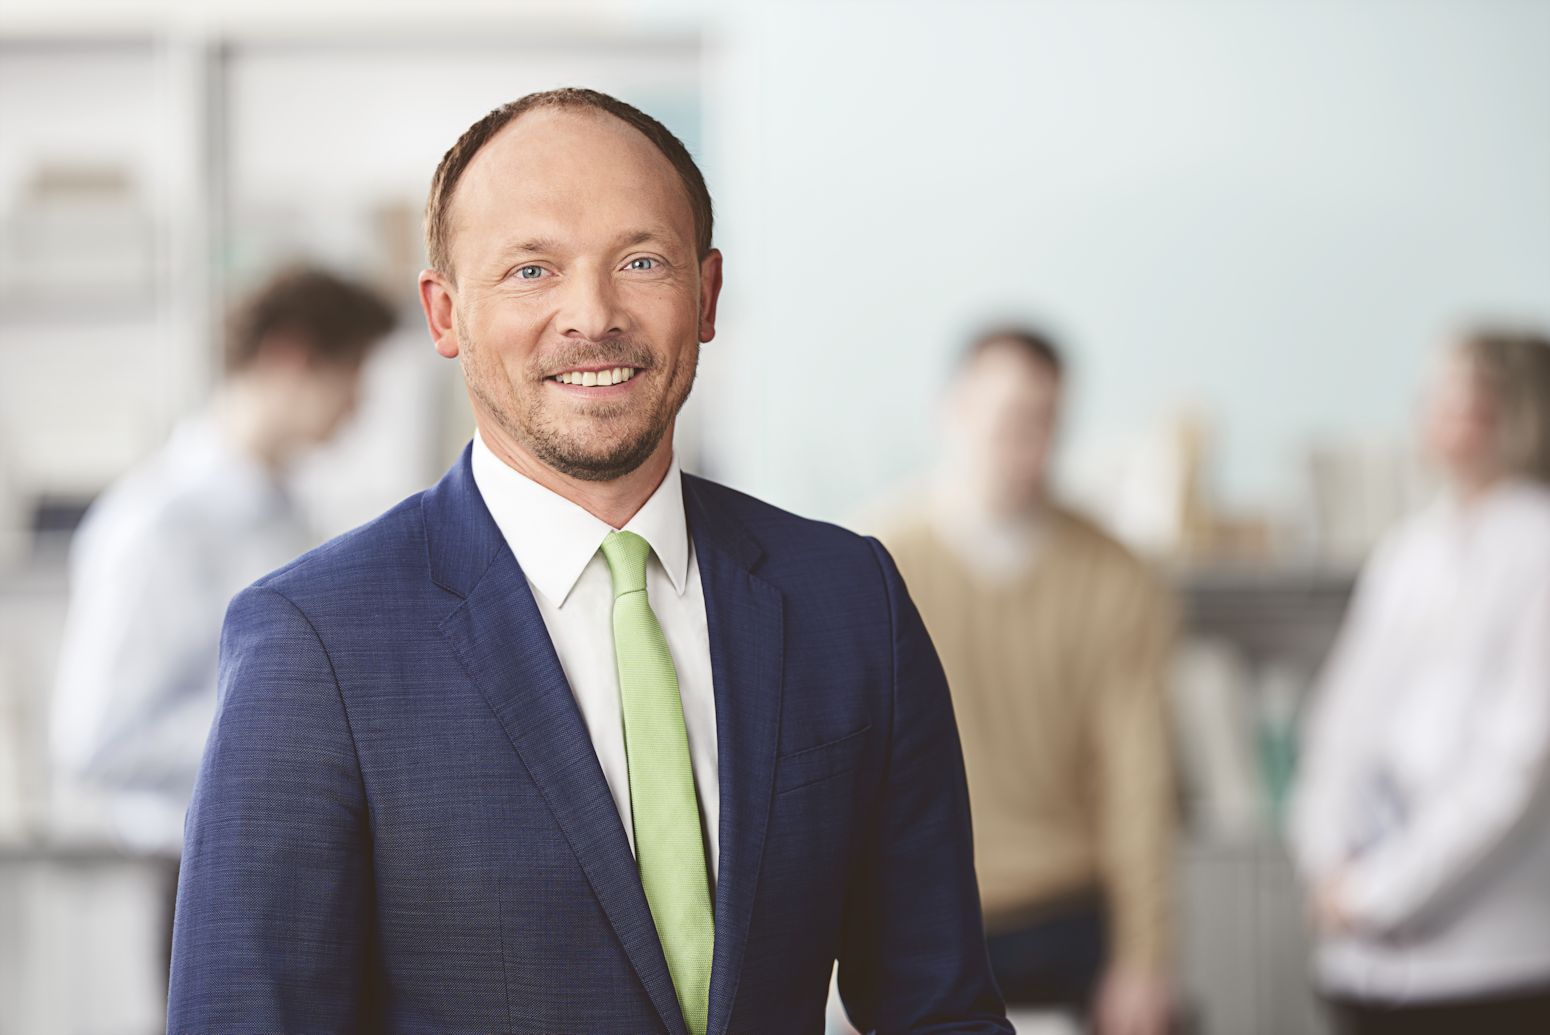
{"points": [[1058, 682]]}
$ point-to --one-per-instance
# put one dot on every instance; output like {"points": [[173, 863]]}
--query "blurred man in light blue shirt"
{"points": [[163, 550]]}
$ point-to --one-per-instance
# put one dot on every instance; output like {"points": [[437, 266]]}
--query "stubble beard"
{"points": [[595, 452]]}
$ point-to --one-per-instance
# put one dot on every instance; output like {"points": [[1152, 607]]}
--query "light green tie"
{"points": [[664, 810]]}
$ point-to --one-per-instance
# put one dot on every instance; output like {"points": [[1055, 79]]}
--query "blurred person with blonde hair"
{"points": [[1421, 820], [1056, 641], [161, 552]]}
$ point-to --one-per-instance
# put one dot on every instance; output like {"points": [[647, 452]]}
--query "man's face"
{"points": [[578, 301], [1459, 423], [1002, 416], [326, 396], [311, 397]]}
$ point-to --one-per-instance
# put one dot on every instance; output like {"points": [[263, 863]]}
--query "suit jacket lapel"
{"points": [[500, 639], [744, 615]]}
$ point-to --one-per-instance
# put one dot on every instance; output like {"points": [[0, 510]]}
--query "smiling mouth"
{"points": [[594, 378]]}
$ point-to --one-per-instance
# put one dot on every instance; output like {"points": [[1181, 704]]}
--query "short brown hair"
{"points": [[438, 206], [333, 319], [1514, 365], [1031, 341]]}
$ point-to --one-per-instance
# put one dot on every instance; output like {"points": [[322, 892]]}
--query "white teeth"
{"points": [[596, 378]]}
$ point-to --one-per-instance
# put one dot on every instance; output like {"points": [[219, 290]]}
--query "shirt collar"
{"points": [[554, 539]]}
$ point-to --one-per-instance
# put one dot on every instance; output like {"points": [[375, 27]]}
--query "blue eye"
{"points": [[643, 263], [530, 272]]}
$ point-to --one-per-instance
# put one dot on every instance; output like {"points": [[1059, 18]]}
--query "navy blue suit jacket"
{"points": [[400, 824]]}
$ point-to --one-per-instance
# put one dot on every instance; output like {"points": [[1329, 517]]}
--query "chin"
{"points": [[600, 464]]}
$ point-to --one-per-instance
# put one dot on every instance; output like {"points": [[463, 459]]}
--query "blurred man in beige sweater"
{"points": [[1056, 642]]}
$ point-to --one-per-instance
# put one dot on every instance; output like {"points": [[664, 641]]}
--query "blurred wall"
{"points": [[1267, 209], [1263, 210]]}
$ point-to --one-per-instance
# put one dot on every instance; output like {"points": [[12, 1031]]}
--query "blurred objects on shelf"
{"points": [[380, 241], [1148, 491], [77, 920], [1154, 492], [1212, 715], [14, 525], [78, 238], [1241, 682], [32, 603], [1283, 686], [398, 237], [12, 807], [1355, 490]]}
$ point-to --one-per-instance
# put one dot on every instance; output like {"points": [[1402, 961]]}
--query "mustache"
{"points": [[616, 353]]}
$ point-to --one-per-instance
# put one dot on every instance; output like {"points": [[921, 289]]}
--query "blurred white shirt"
{"points": [[155, 562], [558, 546], [1426, 760]]}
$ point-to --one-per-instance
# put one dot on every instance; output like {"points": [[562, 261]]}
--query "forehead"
{"points": [[1457, 373], [1006, 362], [570, 174]]}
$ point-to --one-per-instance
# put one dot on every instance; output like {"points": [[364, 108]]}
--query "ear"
{"points": [[710, 293], [437, 298]]}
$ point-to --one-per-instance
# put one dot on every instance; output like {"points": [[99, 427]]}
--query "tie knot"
{"points": [[626, 555]]}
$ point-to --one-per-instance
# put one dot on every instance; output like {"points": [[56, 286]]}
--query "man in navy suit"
{"points": [[571, 741]]}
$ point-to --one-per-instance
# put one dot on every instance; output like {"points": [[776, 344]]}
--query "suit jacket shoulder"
{"points": [[391, 535], [796, 553]]}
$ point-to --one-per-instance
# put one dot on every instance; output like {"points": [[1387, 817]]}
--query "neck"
{"points": [[982, 513], [1472, 487], [614, 501], [242, 415], [1028, 511], [986, 509], [998, 542]]}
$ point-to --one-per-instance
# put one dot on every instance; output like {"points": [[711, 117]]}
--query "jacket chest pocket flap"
{"points": [[821, 761]]}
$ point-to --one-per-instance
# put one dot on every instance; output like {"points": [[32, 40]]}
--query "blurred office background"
{"points": [[1251, 222]]}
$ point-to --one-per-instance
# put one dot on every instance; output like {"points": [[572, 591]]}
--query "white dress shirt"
{"points": [[1426, 764], [152, 567], [557, 543]]}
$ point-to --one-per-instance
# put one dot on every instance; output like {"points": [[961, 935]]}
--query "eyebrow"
{"points": [[532, 244], [629, 239], [650, 235]]}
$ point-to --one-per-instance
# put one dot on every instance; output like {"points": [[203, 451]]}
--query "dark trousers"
{"points": [[1515, 1013], [1051, 956]]}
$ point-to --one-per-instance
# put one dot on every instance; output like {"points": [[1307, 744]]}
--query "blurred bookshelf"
{"points": [[1281, 613]]}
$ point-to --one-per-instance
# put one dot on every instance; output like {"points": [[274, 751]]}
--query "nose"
{"points": [[590, 307]]}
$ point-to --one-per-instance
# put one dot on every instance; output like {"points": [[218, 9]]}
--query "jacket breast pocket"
{"points": [[821, 762]]}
